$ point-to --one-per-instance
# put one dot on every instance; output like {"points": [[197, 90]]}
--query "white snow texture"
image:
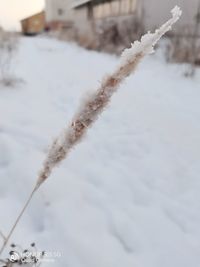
{"points": [[128, 195]]}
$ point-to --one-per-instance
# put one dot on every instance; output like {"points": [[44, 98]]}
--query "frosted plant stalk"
{"points": [[2, 236], [91, 108], [96, 103]]}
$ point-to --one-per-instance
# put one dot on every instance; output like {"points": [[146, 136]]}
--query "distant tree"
{"points": [[8, 48], [194, 44]]}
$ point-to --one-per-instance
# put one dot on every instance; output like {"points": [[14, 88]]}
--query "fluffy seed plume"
{"points": [[93, 107], [96, 103]]}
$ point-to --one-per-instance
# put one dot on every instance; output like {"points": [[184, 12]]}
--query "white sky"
{"points": [[12, 11]]}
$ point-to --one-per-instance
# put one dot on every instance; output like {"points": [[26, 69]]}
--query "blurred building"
{"points": [[96, 23], [34, 24], [156, 12], [102, 9], [153, 12], [59, 13], [84, 10], [99, 9], [102, 19]]}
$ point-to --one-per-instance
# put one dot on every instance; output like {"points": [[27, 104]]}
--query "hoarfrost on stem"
{"points": [[94, 105]]}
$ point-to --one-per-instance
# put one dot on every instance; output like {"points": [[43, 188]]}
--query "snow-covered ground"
{"points": [[129, 194]]}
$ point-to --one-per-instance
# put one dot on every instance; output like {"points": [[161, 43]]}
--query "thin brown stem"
{"points": [[3, 236], [93, 107], [7, 238]]}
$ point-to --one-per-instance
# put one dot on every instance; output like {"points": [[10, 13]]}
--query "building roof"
{"points": [[32, 16], [78, 3]]}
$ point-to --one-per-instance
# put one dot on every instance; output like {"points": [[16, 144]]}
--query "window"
{"points": [[60, 12]]}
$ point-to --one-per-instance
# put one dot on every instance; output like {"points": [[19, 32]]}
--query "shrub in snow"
{"points": [[113, 34], [8, 48], [95, 104]]}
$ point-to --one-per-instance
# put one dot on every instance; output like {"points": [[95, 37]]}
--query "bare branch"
{"points": [[3, 236]]}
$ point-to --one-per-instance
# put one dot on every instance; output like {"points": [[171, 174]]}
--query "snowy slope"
{"points": [[128, 195]]}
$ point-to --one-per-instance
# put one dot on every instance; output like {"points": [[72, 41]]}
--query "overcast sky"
{"points": [[12, 11]]}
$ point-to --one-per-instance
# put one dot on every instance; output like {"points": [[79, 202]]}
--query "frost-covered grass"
{"points": [[129, 194]]}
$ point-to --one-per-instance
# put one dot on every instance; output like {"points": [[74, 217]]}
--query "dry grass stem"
{"points": [[2, 236], [94, 106], [96, 103]]}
